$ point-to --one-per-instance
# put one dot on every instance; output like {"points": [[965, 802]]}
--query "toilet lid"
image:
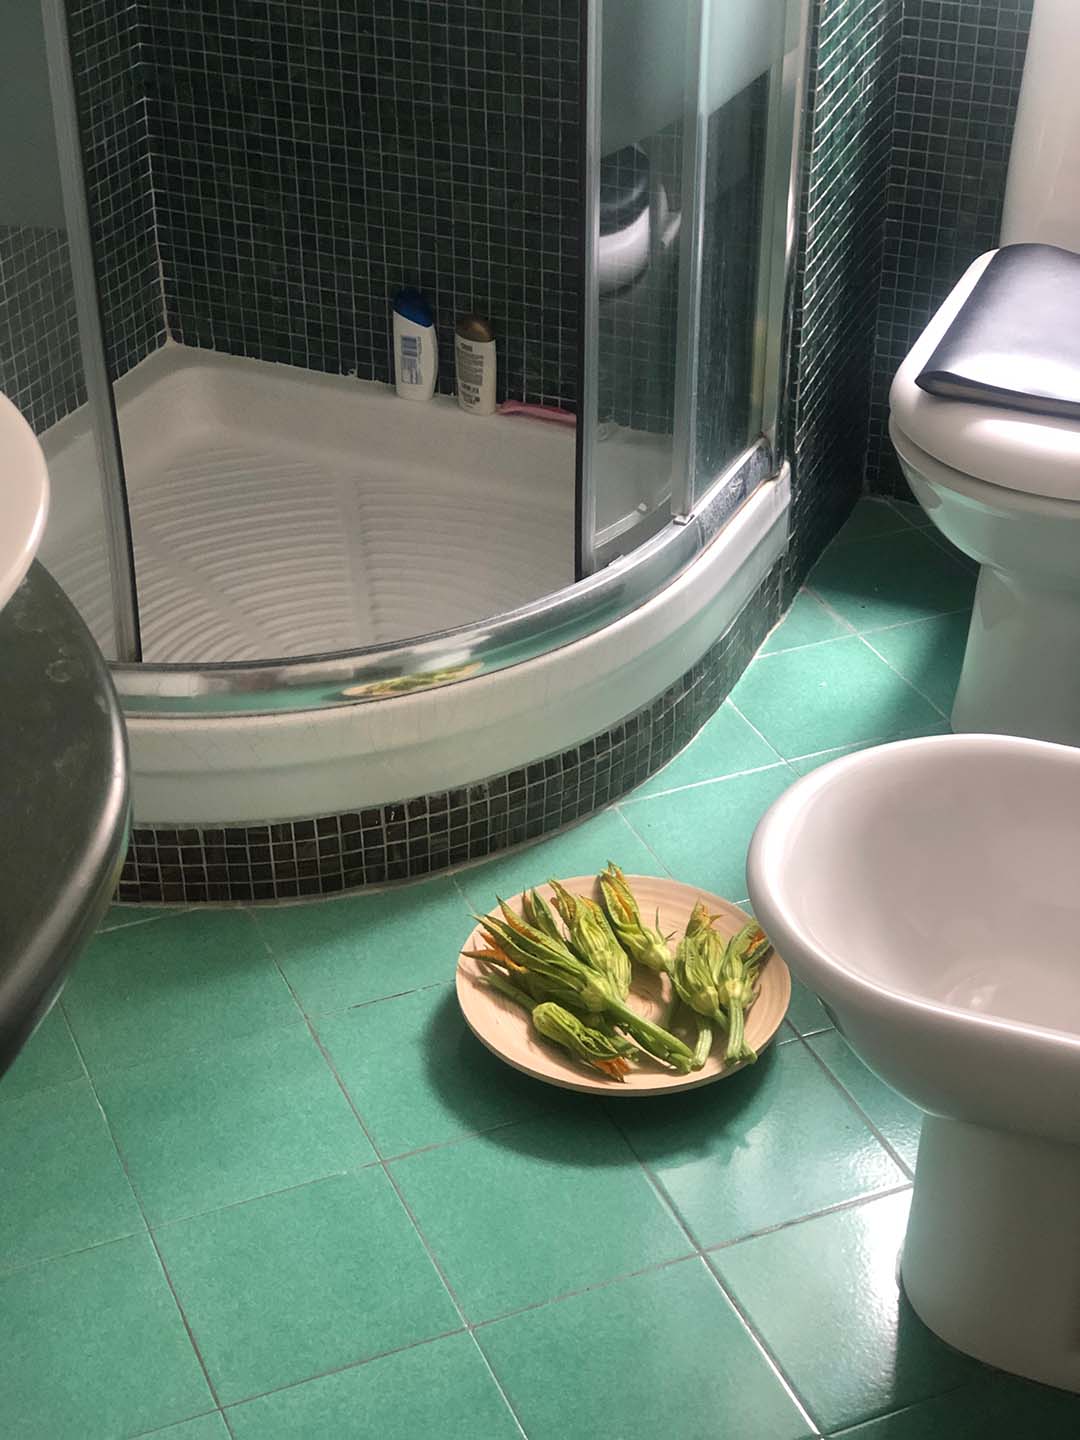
{"points": [[1038, 454]]}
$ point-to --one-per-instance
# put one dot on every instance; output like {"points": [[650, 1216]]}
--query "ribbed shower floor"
{"points": [[277, 512]]}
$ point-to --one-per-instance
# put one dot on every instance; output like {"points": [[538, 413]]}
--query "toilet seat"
{"points": [[1034, 454]]}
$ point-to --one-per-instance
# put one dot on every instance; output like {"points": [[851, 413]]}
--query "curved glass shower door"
{"points": [[691, 130]]}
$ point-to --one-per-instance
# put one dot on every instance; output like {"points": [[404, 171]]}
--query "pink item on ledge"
{"points": [[538, 412]]}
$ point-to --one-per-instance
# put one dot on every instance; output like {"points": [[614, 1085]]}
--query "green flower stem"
{"points": [[654, 1038]]}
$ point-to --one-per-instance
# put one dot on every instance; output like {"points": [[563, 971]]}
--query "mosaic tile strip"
{"points": [[323, 854], [40, 364], [108, 60], [960, 66]]}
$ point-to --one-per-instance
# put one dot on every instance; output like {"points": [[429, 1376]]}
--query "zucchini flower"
{"points": [[647, 946], [592, 938], [719, 980], [741, 964], [601, 1052], [696, 972], [549, 970], [538, 913]]}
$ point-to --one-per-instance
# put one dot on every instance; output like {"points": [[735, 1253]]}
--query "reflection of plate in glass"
{"points": [[507, 1031], [409, 684]]}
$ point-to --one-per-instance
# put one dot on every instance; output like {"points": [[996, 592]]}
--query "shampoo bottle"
{"points": [[416, 350], [474, 357]]}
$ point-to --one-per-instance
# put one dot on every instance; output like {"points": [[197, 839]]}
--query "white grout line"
{"points": [[392, 1179], [753, 727], [879, 1136], [919, 620], [636, 833], [755, 1336], [856, 1202], [933, 704], [137, 921], [700, 784], [837, 750], [342, 1369]]}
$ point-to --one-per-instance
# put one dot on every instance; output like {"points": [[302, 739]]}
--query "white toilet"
{"points": [[1002, 485], [927, 891]]}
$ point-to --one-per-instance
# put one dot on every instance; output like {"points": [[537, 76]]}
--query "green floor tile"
{"points": [[806, 623], [824, 1297], [702, 834], [771, 1144], [929, 653], [346, 952], [661, 1354], [202, 1130], [442, 1390], [839, 693], [897, 1119], [536, 1210], [94, 1346], [996, 1408], [181, 984], [891, 579], [295, 1284], [805, 763], [206, 1427], [419, 1076], [49, 1057], [582, 850], [726, 745], [806, 1012], [63, 1187], [869, 519]]}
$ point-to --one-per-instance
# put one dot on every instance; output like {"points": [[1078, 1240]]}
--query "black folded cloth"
{"points": [[1016, 340]]}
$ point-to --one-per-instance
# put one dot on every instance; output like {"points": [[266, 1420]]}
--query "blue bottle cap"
{"points": [[414, 307]]}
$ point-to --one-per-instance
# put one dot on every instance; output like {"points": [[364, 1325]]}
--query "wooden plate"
{"points": [[507, 1031]]}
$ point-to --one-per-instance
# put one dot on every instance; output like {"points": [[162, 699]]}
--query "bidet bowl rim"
{"points": [[841, 980]]}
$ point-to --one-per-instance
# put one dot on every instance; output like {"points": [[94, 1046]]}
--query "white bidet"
{"points": [[929, 892]]}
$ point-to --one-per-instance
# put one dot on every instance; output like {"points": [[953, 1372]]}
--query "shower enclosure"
{"points": [[265, 549]]}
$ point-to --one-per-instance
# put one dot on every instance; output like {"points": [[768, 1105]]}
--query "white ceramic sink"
{"points": [[24, 498]]}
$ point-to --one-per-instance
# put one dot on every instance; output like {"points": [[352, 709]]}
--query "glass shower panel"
{"points": [[42, 345], [738, 135], [637, 98], [692, 113]]}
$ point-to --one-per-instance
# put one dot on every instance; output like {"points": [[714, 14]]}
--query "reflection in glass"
{"points": [[691, 177], [41, 368]]}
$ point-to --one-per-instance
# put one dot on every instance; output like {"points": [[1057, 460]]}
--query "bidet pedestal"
{"points": [[991, 1261], [1021, 673]]}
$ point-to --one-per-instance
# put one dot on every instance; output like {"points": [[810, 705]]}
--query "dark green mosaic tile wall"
{"points": [[108, 47], [959, 68], [851, 93], [40, 363], [312, 158]]}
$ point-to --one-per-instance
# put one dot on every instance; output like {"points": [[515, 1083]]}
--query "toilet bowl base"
{"points": [[1021, 672], [991, 1262]]}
